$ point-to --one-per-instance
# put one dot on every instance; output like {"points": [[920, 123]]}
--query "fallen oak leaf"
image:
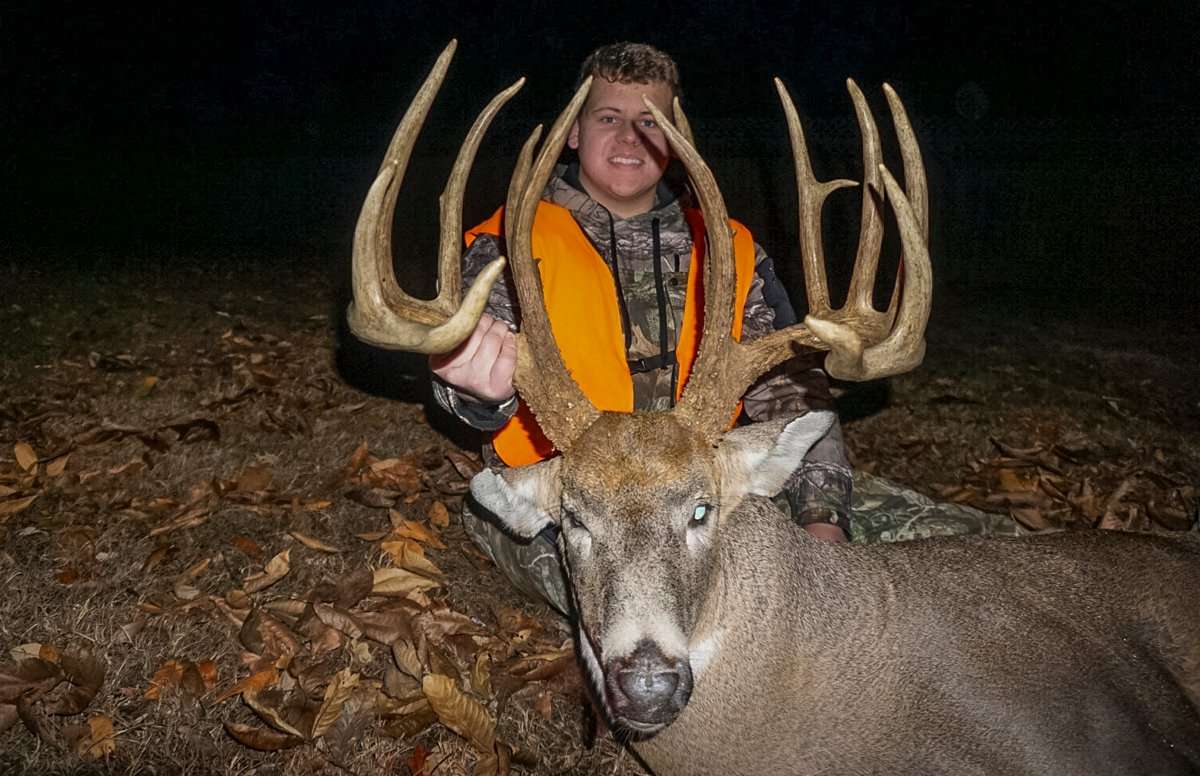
{"points": [[269, 713], [410, 529], [261, 738], [313, 543], [57, 466], [100, 741], [85, 675], [276, 569], [340, 688], [25, 456], [166, 677], [399, 582], [13, 506], [259, 680], [339, 619], [459, 712], [439, 516], [408, 554]]}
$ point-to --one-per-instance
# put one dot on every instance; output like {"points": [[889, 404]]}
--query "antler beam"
{"points": [[864, 343]]}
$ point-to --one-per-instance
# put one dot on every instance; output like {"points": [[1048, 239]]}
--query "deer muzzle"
{"points": [[646, 689]]}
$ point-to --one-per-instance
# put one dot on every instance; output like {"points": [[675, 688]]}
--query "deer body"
{"points": [[737, 644], [953, 656]]}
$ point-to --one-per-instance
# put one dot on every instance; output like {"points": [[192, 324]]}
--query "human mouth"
{"points": [[625, 161]]}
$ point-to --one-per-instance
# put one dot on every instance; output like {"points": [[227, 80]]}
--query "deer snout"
{"points": [[647, 689]]}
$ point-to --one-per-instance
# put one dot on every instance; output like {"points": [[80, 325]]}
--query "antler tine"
{"points": [[914, 175], [381, 313], [681, 122], [904, 347], [812, 194], [870, 231], [708, 402], [542, 379]]}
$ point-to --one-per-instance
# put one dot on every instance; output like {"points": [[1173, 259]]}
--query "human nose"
{"points": [[628, 133]]}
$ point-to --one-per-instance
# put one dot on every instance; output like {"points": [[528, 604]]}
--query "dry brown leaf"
{"points": [[160, 554], [254, 478], [247, 546], [385, 626], [1032, 518], [407, 554], [13, 506], [498, 763], [399, 582], [357, 459], [417, 760], [189, 518], [56, 467], [407, 659], [313, 543], [439, 516], [100, 741], [371, 536], [276, 569], [459, 712], [410, 529], [269, 713], [336, 617], [26, 457], [481, 675], [340, 688], [544, 704], [255, 682], [260, 738], [145, 386], [1017, 479], [165, 678], [208, 673], [185, 591]]}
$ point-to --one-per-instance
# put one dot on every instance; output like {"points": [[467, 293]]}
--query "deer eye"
{"points": [[700, 515]]}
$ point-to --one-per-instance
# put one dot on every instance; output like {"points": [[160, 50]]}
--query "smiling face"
{"points": [[622, 151]]}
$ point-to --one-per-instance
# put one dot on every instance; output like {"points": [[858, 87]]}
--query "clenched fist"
{"points": [[483, 365]]}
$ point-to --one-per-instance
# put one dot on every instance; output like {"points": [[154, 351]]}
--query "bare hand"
{"points": [[827, 531], [483, 365]]}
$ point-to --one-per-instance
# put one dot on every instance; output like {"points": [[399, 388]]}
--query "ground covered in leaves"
{"points": [[228, 536]]}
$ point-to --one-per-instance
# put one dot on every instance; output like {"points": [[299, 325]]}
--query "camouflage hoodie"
{"points": [[819, 491]]}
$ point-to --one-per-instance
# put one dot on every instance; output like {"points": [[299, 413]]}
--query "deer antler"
{"points": [[864, 344], [383, 315]]}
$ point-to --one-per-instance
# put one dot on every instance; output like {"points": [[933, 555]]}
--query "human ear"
{"points": [[573, 137]]}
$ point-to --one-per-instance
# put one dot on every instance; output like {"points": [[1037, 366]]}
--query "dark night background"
{"points": [[1060, 141]]}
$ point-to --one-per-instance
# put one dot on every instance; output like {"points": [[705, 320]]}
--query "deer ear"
{"points": [[758, 459], [525, 499]]}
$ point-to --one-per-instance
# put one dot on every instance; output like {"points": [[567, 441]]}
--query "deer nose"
{"points": [[651, 687]]}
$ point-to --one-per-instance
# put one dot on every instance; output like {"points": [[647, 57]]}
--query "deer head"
{"points": [[643, 499]]}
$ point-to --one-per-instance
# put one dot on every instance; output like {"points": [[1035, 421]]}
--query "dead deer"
{"points": [[719, 635]]}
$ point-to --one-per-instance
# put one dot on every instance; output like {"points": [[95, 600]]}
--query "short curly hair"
{"points": [[631, 63]]}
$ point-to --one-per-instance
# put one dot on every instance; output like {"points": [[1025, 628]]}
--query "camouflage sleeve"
{"points": [[484, 416], [819, 489]]}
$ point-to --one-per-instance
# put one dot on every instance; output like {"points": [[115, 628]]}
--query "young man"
{"points": [[621, 208]]}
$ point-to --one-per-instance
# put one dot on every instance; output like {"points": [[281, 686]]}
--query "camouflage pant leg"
{"points": [[882, 511], [533, 567]]}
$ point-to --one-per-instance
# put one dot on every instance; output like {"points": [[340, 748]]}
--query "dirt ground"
{"points": [[229, 541]]}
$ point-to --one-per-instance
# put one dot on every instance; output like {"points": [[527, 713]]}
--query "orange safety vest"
{"points": [[581, 300]]}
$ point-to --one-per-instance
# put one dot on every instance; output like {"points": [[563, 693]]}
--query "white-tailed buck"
{"points": [[719, 634]]}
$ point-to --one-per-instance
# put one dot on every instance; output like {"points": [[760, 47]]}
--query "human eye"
{"points": [[649, 124]]}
